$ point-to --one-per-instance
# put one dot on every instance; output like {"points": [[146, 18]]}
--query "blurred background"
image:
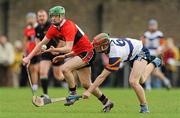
{"points": [[119, 18]]}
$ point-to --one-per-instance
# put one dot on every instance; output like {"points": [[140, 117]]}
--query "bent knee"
{"points": [[59, 76], [66, 70], [133, 83], [86, 85], [33, 68]]}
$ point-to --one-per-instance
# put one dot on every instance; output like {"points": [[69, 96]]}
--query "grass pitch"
{"points": [[16, 103]]}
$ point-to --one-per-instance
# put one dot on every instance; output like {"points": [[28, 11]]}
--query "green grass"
{"points": [[16, 103]]}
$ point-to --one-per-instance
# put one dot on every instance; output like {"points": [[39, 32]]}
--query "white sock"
{"points": [[166, 81], [148, 84], [34, 87]]}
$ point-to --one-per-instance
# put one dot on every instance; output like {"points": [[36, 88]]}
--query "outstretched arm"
{"points": [[96, 83]]}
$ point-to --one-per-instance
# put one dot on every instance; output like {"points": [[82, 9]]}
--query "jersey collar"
{"points": [[62, 23]]}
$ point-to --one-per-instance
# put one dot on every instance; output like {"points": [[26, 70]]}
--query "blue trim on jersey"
{"points": [[131, 48], [113, 60], [157, 37], [114, 63], [122, 42], [153, 48], [111, 70], [146, 54]]}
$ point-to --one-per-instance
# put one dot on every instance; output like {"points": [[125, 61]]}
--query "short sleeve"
{"points": [[51, 32], [161, 34], [145, 34], [114, 64], [69, 31]]}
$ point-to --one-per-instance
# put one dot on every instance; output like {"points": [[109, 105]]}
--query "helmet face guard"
{"points": [[102, 48], [57, 11], [101, 42], [56, 14]]}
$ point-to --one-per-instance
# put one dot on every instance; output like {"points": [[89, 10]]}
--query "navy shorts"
{"points": [[144, 54]]}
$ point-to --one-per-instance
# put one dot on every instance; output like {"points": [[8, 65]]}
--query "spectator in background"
{"points": [[29, 43], [153, 39], [46, 58], [15, 67], [170, 57], [174, 48], [6, 59]]}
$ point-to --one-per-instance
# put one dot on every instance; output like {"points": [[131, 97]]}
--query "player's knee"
{"points": [[59, 76], [133, 83], [66, 70], [86, 85], [32, 69], [36, 68]]}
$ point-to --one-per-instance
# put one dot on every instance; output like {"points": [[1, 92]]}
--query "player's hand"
{"points": [[26, 61], [51, 49], [86, 95], [58, 58], [54, 53]]}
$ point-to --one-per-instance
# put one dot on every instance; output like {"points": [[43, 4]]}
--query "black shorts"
{"points": [[35, 60], [49, 57], [88, 57]]}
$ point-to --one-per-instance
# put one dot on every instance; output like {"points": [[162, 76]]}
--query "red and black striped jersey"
{"points": [[69, 31]]}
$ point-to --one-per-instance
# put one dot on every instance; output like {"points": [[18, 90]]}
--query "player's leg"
{"points": [[67, 68], [44, 69], [76, 77], [152, 67], [78, 63], [157, 72], [135, 75], [57, 71], [147, 72], [72, 64], [34, 71], [85, 79]]}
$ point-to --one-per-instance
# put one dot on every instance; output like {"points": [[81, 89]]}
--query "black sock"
{"points": [[103, 99], [72, 91], [143, 85], [143, 105], [44, 83]]}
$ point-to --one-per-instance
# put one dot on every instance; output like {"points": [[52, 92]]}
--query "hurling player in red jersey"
{"points": [[78, 47], [29, 42]]}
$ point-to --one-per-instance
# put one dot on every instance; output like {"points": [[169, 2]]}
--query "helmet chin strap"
{"points": [[57, 24], [106, 51]]}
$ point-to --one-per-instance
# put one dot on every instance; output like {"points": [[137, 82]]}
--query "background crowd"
{"points": [[13, 73]]}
